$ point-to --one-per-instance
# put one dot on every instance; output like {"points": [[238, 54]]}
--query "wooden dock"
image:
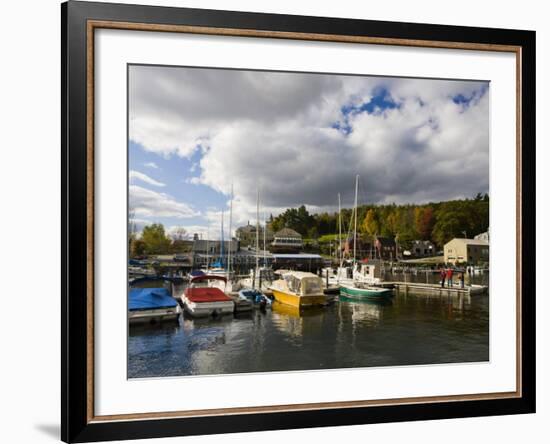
{"points": [[436, 289]]}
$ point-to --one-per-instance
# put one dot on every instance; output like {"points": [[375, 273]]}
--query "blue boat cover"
{"points": [[150, 299], [197, 273]]}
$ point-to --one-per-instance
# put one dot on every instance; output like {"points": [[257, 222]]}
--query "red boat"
{"points": [[204, 297]]}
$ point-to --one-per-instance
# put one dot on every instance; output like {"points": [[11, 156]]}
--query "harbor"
{"points": [[226, 304], [216, 330], [406, 330], [297, 221]]}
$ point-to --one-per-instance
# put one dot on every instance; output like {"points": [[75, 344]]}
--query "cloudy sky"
{"points": [[298, 138]]}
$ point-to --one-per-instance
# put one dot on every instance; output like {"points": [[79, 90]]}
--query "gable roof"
{"points": [[287, 232]]}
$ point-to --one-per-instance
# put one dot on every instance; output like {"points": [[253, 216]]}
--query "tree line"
{"points": [[438, 222]]}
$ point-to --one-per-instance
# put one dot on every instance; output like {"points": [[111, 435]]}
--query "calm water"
{"points": [[409, 330]]}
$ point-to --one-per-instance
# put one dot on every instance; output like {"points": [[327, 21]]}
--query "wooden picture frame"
{"points": [[79, 22]]}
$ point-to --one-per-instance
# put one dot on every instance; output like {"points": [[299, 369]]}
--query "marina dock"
{"points": [[436, 289]]}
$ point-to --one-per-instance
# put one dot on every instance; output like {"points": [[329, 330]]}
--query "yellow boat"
{"points": [[299, 289]]}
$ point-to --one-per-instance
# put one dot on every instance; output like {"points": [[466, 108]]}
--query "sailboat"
{"points": [[357, 289], [343, 273], [218, 268], [261, 277]]}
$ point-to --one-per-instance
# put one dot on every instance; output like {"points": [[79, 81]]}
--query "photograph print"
{"points": [[285, 221]]}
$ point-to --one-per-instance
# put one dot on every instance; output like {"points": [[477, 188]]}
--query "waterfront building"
{"points": [[422, 248], [286, 241], [483, 236], [242, 261], [246, 235], [461, 250], [364, 248], [213, 247], [386, 248], [302, 262]]}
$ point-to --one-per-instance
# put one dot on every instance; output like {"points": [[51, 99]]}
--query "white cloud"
{"points": [[145, 178], [151, 165], [152, 204], [276, 131]]}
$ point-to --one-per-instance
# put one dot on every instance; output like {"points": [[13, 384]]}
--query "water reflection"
{"points": [[364, 312], [405, 330]]}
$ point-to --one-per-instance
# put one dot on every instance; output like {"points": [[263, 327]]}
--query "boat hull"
{"points": [[365, 293], [154, 315], [207, 309], [242, 305], [299, 301]]}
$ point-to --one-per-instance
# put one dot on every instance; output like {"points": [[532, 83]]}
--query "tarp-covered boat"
{"points": [[149, 305]]}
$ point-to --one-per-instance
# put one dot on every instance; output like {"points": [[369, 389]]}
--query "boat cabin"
{"points": [[303, 284], [369, 272]]}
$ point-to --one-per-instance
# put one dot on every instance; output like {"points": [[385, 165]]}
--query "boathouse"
{"points": [[301, 262], [472, 251], [286, 241]]}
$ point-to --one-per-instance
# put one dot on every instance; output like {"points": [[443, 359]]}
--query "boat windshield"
{"points": [[311, 286], [293, 283]]}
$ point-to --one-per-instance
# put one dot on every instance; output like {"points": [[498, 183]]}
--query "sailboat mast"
{"points": [[207, 247], [339, 230], [230, 236], [265, 230], [355, 222], [221, 245], [257, 229]]}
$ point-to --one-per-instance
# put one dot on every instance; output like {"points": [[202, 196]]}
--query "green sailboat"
{"points": [[355, 289], [358, 291]]}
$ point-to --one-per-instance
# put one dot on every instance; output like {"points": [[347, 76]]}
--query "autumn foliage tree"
{"points": [[371, 225], [424, 221]]}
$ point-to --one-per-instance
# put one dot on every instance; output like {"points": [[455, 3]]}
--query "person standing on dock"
{"points": [[449, 277], [442, 275]]}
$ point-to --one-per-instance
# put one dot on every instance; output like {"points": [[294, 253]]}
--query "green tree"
{"points": [[461, 218], [405, 225], [312, 233], [298, 219], [155, 239]]}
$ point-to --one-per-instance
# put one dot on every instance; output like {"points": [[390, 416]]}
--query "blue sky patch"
{"points": [[175, 172]]}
